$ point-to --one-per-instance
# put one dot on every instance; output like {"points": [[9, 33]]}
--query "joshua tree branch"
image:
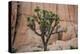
{"points": [[37, 33], [58, 32], [50, 33]]}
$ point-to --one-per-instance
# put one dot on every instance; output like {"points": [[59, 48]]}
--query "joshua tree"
{"points": [[47, 21]]}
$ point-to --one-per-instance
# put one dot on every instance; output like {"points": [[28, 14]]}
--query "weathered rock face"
{"points": [[71, 31], [27, 41], [13, 18]]}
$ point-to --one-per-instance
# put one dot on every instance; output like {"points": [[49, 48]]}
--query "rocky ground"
{"points": [[58, 45]]}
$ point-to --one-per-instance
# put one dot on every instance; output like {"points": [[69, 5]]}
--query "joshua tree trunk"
{"points": [[45, 47], [44, 43]]}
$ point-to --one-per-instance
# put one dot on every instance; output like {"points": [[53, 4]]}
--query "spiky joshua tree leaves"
{"points": [[47, 21]]}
